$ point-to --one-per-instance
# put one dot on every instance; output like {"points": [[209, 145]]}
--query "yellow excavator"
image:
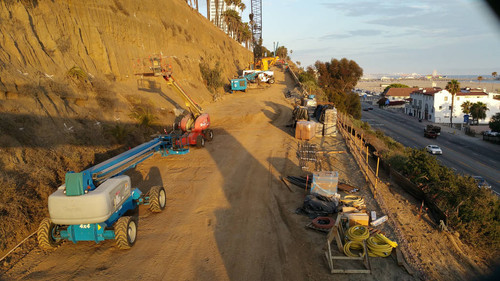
{"points": [[265, 63]]}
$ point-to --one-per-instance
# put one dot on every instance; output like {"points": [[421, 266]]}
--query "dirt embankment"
{"points": [[51, 124]]}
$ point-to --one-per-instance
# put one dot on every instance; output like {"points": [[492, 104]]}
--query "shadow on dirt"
{"points": [[255, 218], [153, 178], [152, 86], [276, 119]]}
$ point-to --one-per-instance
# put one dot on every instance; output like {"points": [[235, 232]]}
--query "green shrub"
{"points": [[119, 132], [211, 76], [143, 116], [77, 73]]}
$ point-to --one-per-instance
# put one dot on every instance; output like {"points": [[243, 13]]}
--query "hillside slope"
{"points": [[68, 93]]}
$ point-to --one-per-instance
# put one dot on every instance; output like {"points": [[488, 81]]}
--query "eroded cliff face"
{"points": [[52, 123]]}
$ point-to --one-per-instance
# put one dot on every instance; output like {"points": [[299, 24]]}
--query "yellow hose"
{"points": [[380, 246], [357, 233], [353, 245], [353, 200]]}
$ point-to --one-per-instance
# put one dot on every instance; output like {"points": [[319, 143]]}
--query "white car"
{"points": [[434, 149]]}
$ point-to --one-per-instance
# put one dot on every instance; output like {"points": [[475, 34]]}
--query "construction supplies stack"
{"points": [[300, 113], [306, 152], [353, 200], [358, 219], [305, 130], [330, 123], [317, 205], [325, 183]]}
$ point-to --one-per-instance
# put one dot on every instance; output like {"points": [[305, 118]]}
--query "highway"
{"points": [[468, 155]]}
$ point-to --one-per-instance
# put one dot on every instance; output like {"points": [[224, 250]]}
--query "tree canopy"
{"points": [[495, 123], [466, 107], [337, 78], [282, 52], [478, 110], [395, 85]]}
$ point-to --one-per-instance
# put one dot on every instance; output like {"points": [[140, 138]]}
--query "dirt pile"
{"points": [[69, 96]]}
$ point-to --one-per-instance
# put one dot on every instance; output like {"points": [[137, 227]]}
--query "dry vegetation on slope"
{"points": [[68, 94]]}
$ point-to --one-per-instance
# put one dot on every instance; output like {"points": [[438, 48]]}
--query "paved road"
{"points": [[470, 156]]}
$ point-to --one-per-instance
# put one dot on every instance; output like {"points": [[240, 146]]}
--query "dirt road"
{"points": [[228, 215]]}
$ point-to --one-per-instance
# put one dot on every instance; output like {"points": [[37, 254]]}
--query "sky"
{"points": [[454, 37]]}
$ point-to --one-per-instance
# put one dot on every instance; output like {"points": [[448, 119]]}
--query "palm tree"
{"points": [[244, 34], [453, 87], [466, 107], [494, 74], [480, 78], [478, 111], [232, 20]]}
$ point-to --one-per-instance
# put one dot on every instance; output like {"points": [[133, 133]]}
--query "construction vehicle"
{"points": [[265, 63], [99, 203], [250, 76], [434, 128], [195, 125], [432, 131]]}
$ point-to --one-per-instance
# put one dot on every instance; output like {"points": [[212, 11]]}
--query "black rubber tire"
{"points": [[44, 236], [200, 141], [271, 81], [157, 199], [209, 135], [125, 232], [328, 225]]}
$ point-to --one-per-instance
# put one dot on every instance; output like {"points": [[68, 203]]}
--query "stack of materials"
{"points": [[330, 123], [325, 183], [305, 130]]}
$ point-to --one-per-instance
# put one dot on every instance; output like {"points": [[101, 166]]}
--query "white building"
{"points": [[434, 104], [222, 7]]}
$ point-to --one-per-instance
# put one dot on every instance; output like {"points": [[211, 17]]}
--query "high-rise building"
{"points": [[221, 6]]}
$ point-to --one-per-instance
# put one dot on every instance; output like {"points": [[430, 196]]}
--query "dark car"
{"points": [[481, 182]]}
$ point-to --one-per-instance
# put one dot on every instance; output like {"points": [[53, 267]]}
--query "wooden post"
{"points": [[367, 155], [376, 173]]}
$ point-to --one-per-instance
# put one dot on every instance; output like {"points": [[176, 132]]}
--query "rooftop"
{"points": [[400, 92]]}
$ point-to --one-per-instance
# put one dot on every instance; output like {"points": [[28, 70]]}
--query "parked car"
{"points": [[481, 182], [491, 133], [433, 149], [370, 108]]}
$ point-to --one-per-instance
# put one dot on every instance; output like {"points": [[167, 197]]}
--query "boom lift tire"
{"points": [[126, 232], [44, 235], [271, 81], [200, 141], [209, 134], [157, 199]]}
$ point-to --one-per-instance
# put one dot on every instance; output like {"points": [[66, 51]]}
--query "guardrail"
{"points": [[297, 82]]}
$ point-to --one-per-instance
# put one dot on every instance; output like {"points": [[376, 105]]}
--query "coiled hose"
{"points": [[355, 201], [380, 246], [355, 236]]}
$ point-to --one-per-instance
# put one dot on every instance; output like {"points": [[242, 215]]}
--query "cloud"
{"points": [[352, 33], [379, 8]]}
